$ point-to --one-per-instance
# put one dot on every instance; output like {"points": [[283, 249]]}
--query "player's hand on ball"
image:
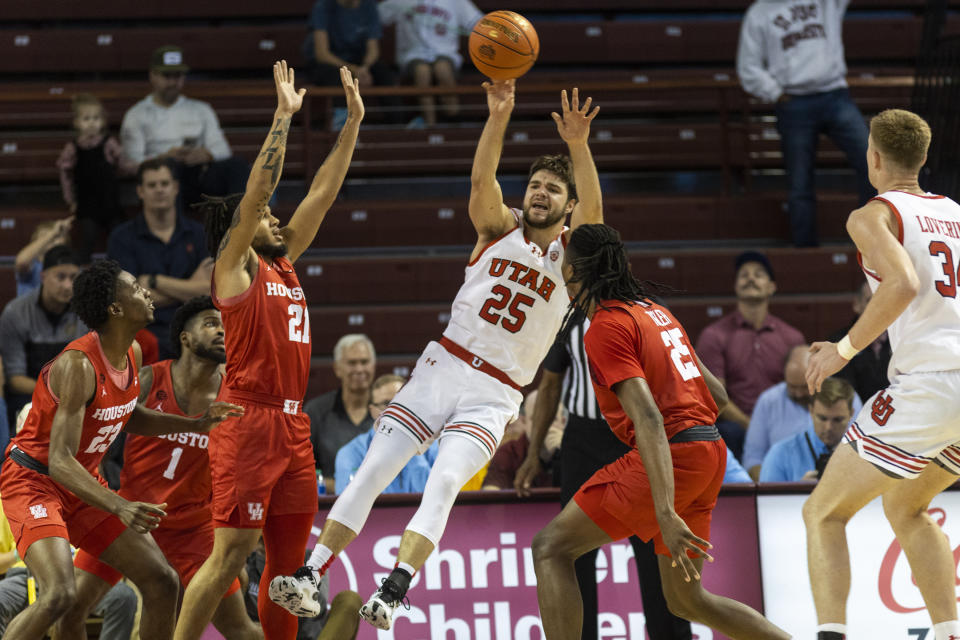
{"points": [[500, 96], [217, 413], [825, 361], [679, 540], [142, 517], [351, 88], [574, 124], [289, 100]]}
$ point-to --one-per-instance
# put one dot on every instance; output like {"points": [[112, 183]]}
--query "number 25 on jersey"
{"points": [[679, 351]]}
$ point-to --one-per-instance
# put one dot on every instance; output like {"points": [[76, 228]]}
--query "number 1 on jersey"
{"points": [[174, 461], [673, 338]]}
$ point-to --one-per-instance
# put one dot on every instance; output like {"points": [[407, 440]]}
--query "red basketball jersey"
{"points": [[644, 340], [107, 413], [174, 468], [267, 331]]}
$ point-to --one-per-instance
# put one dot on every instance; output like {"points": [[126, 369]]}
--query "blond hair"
{"points": [[902, 136], [832, 391], [85, 100]]}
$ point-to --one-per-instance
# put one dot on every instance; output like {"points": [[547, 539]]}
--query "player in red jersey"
{"points": [[658, 398], [52, 493], [174, 470], [262, 466]]}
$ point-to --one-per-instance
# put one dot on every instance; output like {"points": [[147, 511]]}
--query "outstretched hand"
{"points": [[679, 540], [289, 100], [500, 96], [216, 413], [351, 89], [574, 124], [142, 517]]}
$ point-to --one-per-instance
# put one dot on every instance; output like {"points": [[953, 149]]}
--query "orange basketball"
{"points": [[503, 45]]}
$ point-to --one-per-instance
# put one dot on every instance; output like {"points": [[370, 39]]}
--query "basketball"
{"points": [[503, 45]]}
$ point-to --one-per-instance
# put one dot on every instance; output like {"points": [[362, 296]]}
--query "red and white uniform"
{"points": [[264, 461], [36, 506], [917, 418], [174, 470], [502, 323], [644, 340]]}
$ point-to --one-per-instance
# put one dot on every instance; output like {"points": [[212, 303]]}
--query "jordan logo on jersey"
{"points": [[256, 510], [38, 511], [522, 274]]}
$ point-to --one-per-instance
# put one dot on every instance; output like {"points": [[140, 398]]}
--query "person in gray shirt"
{"points": [[338, 416], [791, 54], [36, 326]]}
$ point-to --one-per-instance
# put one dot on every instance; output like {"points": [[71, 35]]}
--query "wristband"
{"points": [[845, 349]]}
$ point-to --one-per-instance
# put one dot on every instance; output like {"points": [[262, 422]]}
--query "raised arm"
{"points": [[574, 128], [235, 251], [874, 231], [298, 235], [490, 217]]}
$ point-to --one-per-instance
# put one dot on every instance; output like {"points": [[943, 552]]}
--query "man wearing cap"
{"points": [[169, 124], [746, 349], [36, 326]]}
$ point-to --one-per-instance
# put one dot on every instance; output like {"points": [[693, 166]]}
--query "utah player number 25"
{"points": [[504, 298]]}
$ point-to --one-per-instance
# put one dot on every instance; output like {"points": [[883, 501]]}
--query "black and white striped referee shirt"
{"points": [[570, 358]]}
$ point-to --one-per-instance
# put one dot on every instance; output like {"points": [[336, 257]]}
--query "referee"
{"points": [[588, 444]]}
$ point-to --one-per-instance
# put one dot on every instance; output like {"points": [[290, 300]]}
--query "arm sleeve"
{"points": [[612, 347], [65, 163], [132, 137], [213, 138], [558, 358], [752, 62], [758, 435], [12, 346]]}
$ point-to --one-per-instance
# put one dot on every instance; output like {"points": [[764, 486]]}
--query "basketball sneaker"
{"points": [[379, 609], [298, 593]]}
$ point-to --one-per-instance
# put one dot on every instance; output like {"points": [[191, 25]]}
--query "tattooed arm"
{"points": [[235, 252], [299, 234]]}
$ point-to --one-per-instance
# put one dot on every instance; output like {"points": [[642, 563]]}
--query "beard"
{"points": [[551, 219], [271, 251], [209, 353]]}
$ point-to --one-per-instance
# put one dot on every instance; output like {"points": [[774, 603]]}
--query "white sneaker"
{"points": [[297, 594], [379, 609]]}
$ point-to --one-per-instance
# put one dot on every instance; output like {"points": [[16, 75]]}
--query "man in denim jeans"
{"points": [[791, 54]]}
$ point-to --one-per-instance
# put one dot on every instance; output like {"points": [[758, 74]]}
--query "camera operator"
{"points": [[804, 455]]}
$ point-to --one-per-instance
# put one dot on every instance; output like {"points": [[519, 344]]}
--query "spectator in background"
{"points": [[37, 326], [781, 411], [89, 167], [28, 263], [339, 416], [866, 371], [804, 455], [346, 33], [165, 250], [746, 349], [413, 477], [792, 55], [510, 455], [167, 124], [428, 46]]}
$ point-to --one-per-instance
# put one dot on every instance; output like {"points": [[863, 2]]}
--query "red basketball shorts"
{"points": [[37, 507], [261, 464], [618, 497]]}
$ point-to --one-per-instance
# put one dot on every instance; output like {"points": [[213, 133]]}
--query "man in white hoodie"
{"points": [[791, 54]]}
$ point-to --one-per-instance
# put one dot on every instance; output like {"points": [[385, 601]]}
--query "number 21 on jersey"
{"points": [[679, 351], [299, 324]]}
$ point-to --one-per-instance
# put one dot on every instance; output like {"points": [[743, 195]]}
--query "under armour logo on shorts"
{"points": [[882, 408], [430, 361], [256, 510], [38, 511]]}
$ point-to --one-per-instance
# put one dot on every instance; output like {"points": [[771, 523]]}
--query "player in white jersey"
{"points": [[905, 443], [465, 388]]}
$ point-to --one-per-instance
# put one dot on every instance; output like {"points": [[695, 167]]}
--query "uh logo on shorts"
{"points": [[255, 509]]}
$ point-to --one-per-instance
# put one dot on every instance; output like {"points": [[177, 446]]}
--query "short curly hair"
{"points": [[182, 316], [559, 165], [95, 289]]}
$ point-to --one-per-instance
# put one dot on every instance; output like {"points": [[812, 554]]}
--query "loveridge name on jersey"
{"points": [[522, 274], [114, 413], [279, 289]]}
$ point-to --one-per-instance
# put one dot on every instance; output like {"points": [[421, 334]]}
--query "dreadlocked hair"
{"points": [[217, 217], [600, 265], [94, 290]]}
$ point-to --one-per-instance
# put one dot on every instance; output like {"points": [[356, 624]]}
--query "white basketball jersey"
{"points": [[511, 304], [926, 336]]}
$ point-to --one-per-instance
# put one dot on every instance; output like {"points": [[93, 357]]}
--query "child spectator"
{"points": [[89, 166], [428, 45]]}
